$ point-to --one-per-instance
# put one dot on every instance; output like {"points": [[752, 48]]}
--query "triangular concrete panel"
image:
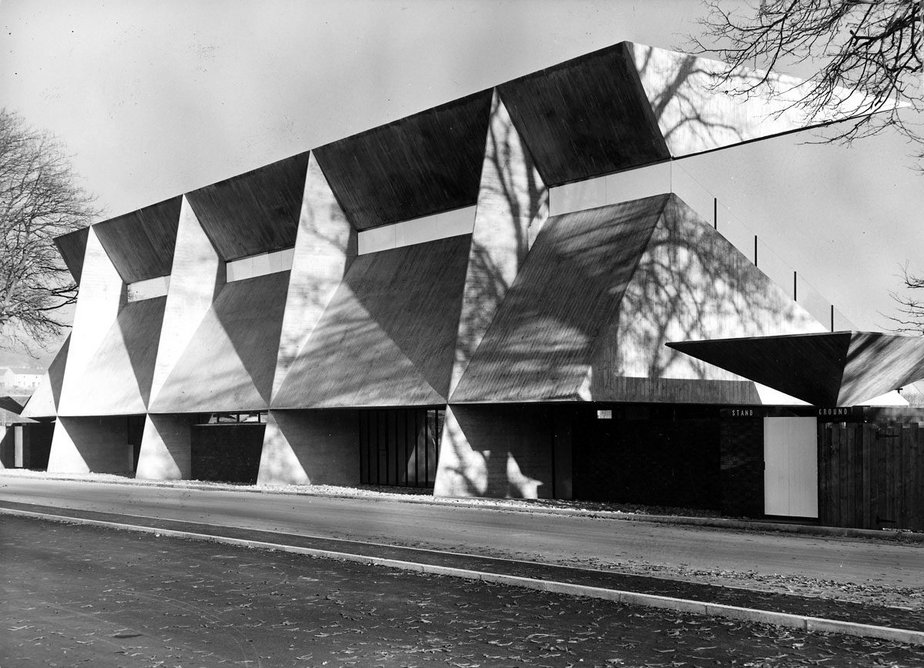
{"points": [[72, 247], [825, 369], [540, 343], [229, 362], [44, 401], [690, 282], [325, 247], [513, 205], [601, 291], [117, 378], [386, 338]]}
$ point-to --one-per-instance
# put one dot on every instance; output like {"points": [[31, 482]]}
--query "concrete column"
{"points": [[91, 445], [324, 248], [165, 448], [102, 293], [512, 208], [310, 447], [499, 451]]}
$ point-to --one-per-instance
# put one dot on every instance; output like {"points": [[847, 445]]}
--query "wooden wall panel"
{"points": [[586, 117], [72, 247], [229, 362], [117, 378], [256, 212], [416, 166], [140, 244], [387, 336]]}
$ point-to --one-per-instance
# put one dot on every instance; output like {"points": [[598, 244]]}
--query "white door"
{"points": [[791, 466]]}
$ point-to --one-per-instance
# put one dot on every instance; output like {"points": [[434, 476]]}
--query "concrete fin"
{"points": [[198, 275], [324, 248], [513, 205]]}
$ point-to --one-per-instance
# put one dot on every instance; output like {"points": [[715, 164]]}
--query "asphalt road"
{"points": [[666, 550], [83, 595]]}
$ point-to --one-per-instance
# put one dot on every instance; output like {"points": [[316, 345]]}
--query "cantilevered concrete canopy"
{"points": [[825, 369]]}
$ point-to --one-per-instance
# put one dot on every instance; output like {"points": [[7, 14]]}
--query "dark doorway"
{"points": [[400, 446], [226, 447], [651, 455]]}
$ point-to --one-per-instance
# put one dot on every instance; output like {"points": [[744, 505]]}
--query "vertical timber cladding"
{"points": [[652, 454], [741, 442], [871, 476], [400, 446], [226, 447]]}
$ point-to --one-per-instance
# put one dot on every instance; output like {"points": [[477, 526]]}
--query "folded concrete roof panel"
{"points": [[117, 378], [413, 167], [140, 244], [585, 117], [824, 369], [228, 364], [387, 336], [600, 293], [253, 213], [72, 247], [540, 344], [44, 401]]}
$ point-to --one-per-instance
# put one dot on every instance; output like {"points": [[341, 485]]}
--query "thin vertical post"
{"points": [[715, 212], [795, 287], [832, 317], [755, 250]]}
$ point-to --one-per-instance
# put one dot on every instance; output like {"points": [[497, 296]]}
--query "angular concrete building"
{"points": [[469, 300]]}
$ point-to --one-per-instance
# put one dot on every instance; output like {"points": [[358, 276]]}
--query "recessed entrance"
{"points": [[400, 446], [225, 447]]}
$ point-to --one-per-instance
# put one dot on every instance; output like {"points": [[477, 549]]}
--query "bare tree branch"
{"points": [[871, 47], [39, 200]]}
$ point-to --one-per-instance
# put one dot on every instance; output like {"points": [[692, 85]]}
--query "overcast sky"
{"points": [[154, 98]]}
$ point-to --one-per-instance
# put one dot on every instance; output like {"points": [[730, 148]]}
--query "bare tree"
{"points": [[39, 200], [871, 47]]}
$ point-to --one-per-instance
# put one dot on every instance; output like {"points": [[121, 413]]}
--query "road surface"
{"points": [[101, 597], [766, 559]]}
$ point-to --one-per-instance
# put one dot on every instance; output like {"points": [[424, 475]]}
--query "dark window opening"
{"points": [[253, 417], [400, 446]]}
